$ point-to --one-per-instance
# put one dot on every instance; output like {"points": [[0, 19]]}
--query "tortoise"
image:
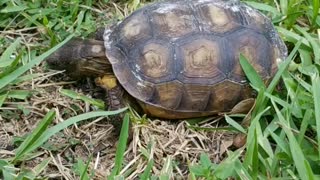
{"points": [[178, 59]]}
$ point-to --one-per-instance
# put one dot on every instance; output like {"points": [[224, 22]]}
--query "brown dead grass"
{"points": [[171, 140]]}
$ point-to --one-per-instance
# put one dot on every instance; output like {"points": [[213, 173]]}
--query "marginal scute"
{"points": [[195, 97], [123, 76], [135, 29], [169, 94], [276, 57], [255, 48], [217, 19], [224, 96], [130, 79], [175, 23], [146, 90], [255, 19]]}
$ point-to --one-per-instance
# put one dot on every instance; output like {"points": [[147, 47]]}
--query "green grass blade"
{"points": [[307, 118], [28, 143], [31, 19], [277, 100], [316, 97], [147, 172], [57, 128], [5, 59], [310, 174], [32, 174], [296, 151], [84, 168], [13, 66], [166, 171], [306, 59], [8, 170], [234, 124], [75, 95], [251, 73], [81, 168], [263, 141], [3, 97], [25, 78], [284, 6], [300, 81], [19, 94], [227, 167], [282, 67], [251, 154], [4, 81], [255, 156], [283, 145], [264, 7], [315, 8], [205, 160], [40, 167], [124, 134], [241, 171], [292, 37], [313, 42], [10, 9], [79, 20]]}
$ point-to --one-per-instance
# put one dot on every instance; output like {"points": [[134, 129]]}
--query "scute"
{"points": [[169, 94], [224, 96], [135, 30], [255, 47], [180, 59], [172, 20], [195, 97], [217, 19], [154, 61], [133, 83], [200, 60]]}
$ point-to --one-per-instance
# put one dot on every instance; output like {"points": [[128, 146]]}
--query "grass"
{"points": [[47, 128]]}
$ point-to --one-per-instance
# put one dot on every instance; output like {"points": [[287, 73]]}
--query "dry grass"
{"points": [[168, 139]]}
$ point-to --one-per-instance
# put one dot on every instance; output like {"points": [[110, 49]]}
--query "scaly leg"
{"points": [[115, 98]]}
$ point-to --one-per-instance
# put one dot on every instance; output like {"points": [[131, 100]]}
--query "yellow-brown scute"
{"points": [[174, 24], [201, 58], [217, 19], [154, 60]]}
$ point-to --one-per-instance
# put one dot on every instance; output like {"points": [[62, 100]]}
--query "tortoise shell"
{"points": [[180, 59]]}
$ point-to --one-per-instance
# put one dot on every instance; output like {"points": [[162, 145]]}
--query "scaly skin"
{"points": [[82, 58]]}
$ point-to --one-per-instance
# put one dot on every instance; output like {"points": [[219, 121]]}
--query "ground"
{"points": [[166, 141]]}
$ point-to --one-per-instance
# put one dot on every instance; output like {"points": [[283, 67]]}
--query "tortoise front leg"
{"points": [[115, 92], [115, 98]]}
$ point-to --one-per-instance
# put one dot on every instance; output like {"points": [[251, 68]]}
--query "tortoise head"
{"points": [[81, 57]]}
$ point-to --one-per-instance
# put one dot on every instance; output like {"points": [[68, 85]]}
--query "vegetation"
{"points": [[283, 139]]}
